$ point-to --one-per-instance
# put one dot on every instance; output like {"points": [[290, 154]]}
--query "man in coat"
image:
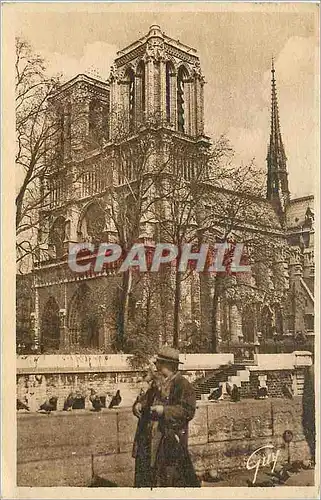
{"points": [[160, 444]]}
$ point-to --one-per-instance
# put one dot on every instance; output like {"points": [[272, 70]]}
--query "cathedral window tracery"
{"points": [[141, 91], [57, 236], [170, 72], [92, 223], [181, 99], [131, 97]]}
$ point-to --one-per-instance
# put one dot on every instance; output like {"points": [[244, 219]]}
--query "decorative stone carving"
{"points": [[197, 71], [296, 256], [155, 51]]}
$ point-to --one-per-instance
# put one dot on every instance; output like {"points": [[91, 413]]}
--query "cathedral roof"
{"points": [[297, 209], [81, 78], [156, 32]]}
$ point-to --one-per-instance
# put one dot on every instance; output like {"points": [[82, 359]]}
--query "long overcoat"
{"points": [[160, 444]]}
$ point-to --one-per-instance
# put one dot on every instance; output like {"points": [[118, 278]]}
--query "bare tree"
{"points": [[239, 213], [132, 200], [193, 171], [34, 135]]}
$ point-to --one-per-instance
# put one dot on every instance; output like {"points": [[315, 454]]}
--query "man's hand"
{"points": [[159, 409], [137, 410]]}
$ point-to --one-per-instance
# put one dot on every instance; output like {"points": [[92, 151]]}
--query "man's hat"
{"points": [[168, 354]]}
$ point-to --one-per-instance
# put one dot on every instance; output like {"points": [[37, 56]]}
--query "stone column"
{"points": [[255, 311], [296, 271], [63, 328], [191, 101], [218, 323], [162, 77], [198, 94], [34, 327], [34, 321], [235, 324], [105, 337], [173, 99], [138, 101], [200, 107], [188, 107], [150, 104]]}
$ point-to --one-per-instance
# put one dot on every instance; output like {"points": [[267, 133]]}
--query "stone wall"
{"points": [[66, 449], [43, 376]]}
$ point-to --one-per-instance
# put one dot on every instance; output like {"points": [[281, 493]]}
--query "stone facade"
{"points": [[155, 96]]}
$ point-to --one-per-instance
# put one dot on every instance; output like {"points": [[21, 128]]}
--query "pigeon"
{"points": [[22, 406], [79, 402], [216, 393], [49, 405], [69, 401], [116, 400], [287, 391], [262, 393], [235, 394], [95, 401]]}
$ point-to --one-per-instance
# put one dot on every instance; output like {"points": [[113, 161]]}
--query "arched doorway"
{"points": [[278, 320], [83, 319], [266, 323], [50, 326], [249, 323]]}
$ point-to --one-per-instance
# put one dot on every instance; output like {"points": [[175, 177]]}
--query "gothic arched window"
{"points": [[67, 130], [93, 223], [130, 78], [95, 119], [105, 121], [57, 236], [169, 73], [141, 88], [182, 76]]}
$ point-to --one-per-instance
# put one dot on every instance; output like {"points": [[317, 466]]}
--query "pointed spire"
{"points": [[277, 177]]}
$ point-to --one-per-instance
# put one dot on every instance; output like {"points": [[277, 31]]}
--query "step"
{"points": [[234, 380], [244, 375]]}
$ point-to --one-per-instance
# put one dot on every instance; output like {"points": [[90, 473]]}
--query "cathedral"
{"points": [[116, 146]]}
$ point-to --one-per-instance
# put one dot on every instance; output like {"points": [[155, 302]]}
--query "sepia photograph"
{"points": [[166, 191]]}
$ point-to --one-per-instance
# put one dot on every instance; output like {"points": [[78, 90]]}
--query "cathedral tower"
{"points": [[157, 80], [277, 177]]}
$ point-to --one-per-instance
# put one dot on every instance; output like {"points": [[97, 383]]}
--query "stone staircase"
{"points": [[227, 374], [298, 383]]}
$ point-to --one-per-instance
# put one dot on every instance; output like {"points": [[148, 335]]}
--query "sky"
{"points": [[235, 50]]}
